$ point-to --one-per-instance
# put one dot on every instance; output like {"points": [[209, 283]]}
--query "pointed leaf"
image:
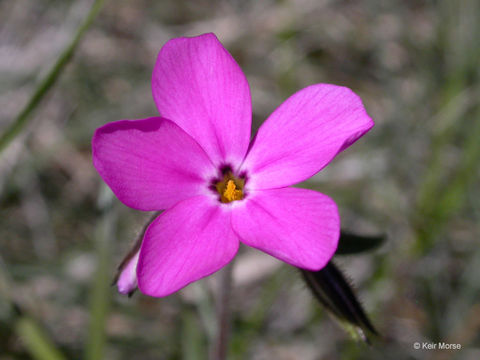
{"points": [[333, 291], [351, 243]]}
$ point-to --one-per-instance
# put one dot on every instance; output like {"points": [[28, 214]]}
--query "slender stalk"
{"points": [[53, 74], [219, 349], [100, 301]]}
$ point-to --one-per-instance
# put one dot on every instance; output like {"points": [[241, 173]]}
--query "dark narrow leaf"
{"points": [[350, 243], [335, 293]]}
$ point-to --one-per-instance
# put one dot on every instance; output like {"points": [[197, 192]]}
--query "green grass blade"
{"points": [[99, 306], [101, 290], [193, 339], [455, 195], [34, 338], [36, 341], [44, 86]]}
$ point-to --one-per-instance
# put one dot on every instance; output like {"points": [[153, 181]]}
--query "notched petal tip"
{"points": [[195, 38]]}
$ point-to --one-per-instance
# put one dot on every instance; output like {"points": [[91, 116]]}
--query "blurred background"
{"points": [[415, 177]]}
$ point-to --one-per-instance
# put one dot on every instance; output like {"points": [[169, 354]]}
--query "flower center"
{"points": [[230, 188]]}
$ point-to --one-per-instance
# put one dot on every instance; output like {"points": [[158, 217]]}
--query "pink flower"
{"points": [[218, 187]]}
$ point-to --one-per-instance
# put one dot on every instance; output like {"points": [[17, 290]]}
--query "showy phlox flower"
{"points": [[216, 186]]}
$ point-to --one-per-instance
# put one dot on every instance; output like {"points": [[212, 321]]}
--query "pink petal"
{"points": [[127, 278], [185, 243], [304, 134], [298, 226], [197, 84], [150, 164]]}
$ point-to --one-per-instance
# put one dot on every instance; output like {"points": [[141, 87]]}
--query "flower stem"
{"points": [[219, 349]]}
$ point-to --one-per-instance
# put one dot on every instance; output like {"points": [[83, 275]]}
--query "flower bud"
{"points": [[127, 275], [126, 278]]}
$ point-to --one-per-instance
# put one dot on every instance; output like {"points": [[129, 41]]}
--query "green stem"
{"points": [[100, 291], [44, 86]]}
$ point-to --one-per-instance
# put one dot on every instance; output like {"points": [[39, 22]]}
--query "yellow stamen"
{"points": [[231, 193], [230, 188]]}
